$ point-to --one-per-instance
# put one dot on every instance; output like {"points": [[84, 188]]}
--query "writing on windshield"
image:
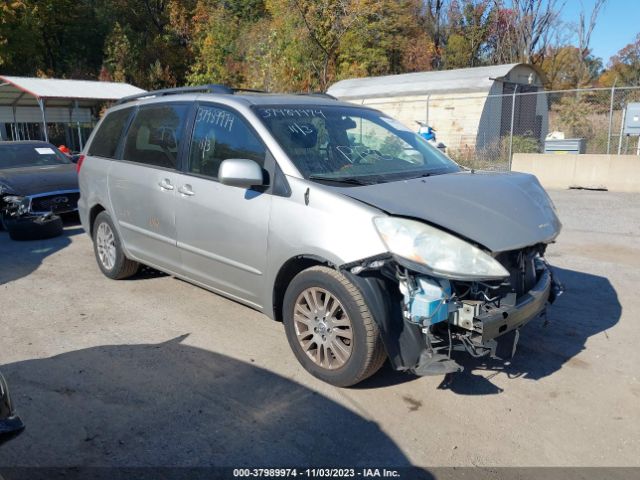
{"points": [[349, 142]]}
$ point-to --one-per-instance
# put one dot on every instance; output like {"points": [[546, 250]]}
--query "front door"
{"points": [[142, 185], [222, 230]]}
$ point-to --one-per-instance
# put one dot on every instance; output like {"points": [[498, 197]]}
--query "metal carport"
{"points": [[49, 100]]}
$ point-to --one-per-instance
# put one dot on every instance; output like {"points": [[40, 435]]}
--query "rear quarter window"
{"points": [[106, 140]]}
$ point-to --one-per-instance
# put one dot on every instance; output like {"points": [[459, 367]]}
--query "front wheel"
{"points": [[330, 328], [108, 250]]}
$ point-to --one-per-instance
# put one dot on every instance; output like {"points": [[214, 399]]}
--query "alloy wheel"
{"points": [[323, 328], [106, 244]]}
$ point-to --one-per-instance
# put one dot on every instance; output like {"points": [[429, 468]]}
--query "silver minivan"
{"points": [[339, 221]]}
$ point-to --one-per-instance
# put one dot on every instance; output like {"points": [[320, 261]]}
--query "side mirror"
{"points": [[240, 172]]}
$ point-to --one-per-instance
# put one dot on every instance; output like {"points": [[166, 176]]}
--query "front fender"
{"points": [[403, 341]]}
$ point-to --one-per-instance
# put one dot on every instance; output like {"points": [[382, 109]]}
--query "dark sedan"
{"points": [[37, 183]]}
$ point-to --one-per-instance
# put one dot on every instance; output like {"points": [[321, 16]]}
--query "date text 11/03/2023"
{"points": [[316, 472]]}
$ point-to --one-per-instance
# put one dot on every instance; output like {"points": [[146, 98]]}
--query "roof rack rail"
{"points": [[318, 94], [211, 88], [248, 90]]}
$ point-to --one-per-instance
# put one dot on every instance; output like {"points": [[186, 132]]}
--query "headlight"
{"points": [[442, 253], [19, 205]]}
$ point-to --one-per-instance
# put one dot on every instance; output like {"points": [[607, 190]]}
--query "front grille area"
{"points": [[521, 267], [56, 203]]}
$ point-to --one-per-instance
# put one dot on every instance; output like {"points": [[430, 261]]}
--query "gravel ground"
{"points": [[156, 372]]}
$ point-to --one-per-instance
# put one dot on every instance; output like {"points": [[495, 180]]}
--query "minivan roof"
{"points": [[247, 99]]}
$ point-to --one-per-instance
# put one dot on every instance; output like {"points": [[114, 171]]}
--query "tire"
{"points": [[107, 248], [34, 229], [329, 328]]}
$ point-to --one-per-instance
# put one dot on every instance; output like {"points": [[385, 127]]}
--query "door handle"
{"points": [[186, 191], [165, 184]]}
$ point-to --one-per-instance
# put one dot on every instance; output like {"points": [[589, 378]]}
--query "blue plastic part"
{"points": [[428, 305]]}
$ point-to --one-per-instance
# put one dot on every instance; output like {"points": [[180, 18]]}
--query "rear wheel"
{"points": [[330, 328], [108, 250]]}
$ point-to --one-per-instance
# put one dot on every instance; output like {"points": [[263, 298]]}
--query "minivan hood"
{"points": [[500, 211], [34, 180]]}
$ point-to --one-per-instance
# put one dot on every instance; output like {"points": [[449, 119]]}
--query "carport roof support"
{"points": [[52, 92], [58, 92]]}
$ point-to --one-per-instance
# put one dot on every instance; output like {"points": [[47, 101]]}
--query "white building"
{"points": [[470, 108]]}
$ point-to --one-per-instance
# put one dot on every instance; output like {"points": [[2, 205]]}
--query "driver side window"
{"points": [[220, 134]]}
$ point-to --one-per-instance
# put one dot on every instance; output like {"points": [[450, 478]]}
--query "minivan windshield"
{"points": [[20, 155], [351, 145]]}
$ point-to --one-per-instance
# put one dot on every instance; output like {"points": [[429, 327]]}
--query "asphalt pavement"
{"points": [[153, 371]]}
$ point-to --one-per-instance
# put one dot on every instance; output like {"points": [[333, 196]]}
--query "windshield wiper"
{"points": [[422, 175], [351, 180]]}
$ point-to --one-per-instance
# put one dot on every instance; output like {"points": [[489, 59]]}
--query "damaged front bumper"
{"points": [[39, 205], [423, 319]]}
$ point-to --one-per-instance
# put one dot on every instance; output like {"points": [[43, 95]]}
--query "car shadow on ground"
{"points": [[20, 258], [588, 307], [171, 404]]}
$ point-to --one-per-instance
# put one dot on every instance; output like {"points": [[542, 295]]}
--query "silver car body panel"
{"points": [[222, 236], [500, 211], [143, 202], [331, 227]]}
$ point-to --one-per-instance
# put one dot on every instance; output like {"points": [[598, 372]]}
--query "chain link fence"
{"points": [[487, 136], [483, 131]]}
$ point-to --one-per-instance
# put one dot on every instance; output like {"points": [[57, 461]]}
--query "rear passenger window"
{"points": [[105, 142], [220, 134], [155, 135]]}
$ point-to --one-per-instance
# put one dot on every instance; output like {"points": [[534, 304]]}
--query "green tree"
{"points": [[49, 36], [470, 28], [278, 52], [377, 43], [326, 23], [118, 55], [215, 32]]}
